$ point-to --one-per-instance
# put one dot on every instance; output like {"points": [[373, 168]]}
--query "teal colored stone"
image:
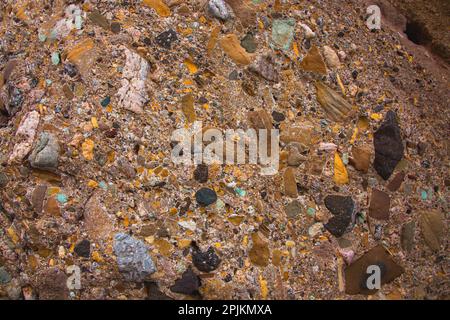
{"points": [[282, 33], [61, 197], [345, 158], [240, 192], [311, 212], [48, 82], [105, 102], [103, 185], [42, 37], [424, 195], [55, 58]]}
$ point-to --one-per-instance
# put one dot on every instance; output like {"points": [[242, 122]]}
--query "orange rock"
{"points": [[232, 47], [159, 6], [290, 185], [52, 207], [314, 62]]}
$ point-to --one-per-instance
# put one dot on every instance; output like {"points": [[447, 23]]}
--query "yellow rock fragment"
{"points": [[340, 172], [12, 235], [94, 122], [87, 149], [263, 286], [92, 184], [97, 257], [313, 62], [159, 6], [190, 65], [184, 243], [76, 53]]}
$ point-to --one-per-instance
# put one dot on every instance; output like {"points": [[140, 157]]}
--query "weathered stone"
{"points": [[133, 259], [189, 283], [331, 57], [52, 285], [205, 261], [407, 236], [248, 43], [313, 62], [290, 185], [201, 173], [83, 248], [433, 228], [45, 155], [26, 133], [360, 159], [259, 254], [97, 222], [231, 46], [265, 67], [343, 210], [356, 274], [380, 204], [218, 9], [293, 209], [388, 146], [166, 38], [335, 107], [396, 182], [283, 33]]}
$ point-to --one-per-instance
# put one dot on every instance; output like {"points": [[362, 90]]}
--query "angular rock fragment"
{"points": [[356, 275], [189, 283], [388, 146], [52, 285], [396, 182], [249, 43], [244, 11], [283, 33], [166, 38], [97, 222], [313, 62], [380, 204], [133, 259], [154, 293], [433, 228], [293, 209], [219, 9], [290, 185], [83, 248], [159, 6], [360, 159], [97, 18], [231, 45], [331, 57], [201, 173], [205, 261], [335, 107], [133, 93], [407, 236], [343, 210], [265, 67], [259, 254], [187, 106], [26, 134], [295, 154], [45, 155]]}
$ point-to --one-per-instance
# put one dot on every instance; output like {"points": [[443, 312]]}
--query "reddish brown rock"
{"points": [[360, 159], [290, 185], [396, 183], [380, 204]]}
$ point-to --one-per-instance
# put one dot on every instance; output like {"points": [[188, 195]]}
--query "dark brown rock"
{"points": [[356, 274], [360, 159], [53, 285], [388, 146]]}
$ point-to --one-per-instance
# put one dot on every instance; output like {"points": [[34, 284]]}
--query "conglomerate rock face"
{"points": [[95, 205]]}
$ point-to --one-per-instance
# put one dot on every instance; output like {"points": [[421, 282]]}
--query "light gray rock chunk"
{"points": [[219, 9], [132, 257], [46, 153]]}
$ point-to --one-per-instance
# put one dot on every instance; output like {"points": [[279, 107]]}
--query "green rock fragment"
{"points": [[248, 43], [55, 58], [282, 33]]}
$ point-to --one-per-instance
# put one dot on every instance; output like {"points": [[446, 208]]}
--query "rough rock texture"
{"points": [[388, 146], [133, 260]]}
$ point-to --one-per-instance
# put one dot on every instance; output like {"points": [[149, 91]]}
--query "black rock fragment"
{"points": [[166, 38], [342, 207], [388, 146], [205, 261], [189, 283]]}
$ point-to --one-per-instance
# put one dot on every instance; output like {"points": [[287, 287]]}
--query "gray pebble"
{"points": [[219, 9], [46, 153]]}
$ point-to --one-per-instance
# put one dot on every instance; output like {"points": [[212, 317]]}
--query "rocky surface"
{"points": [[91, 92]]}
